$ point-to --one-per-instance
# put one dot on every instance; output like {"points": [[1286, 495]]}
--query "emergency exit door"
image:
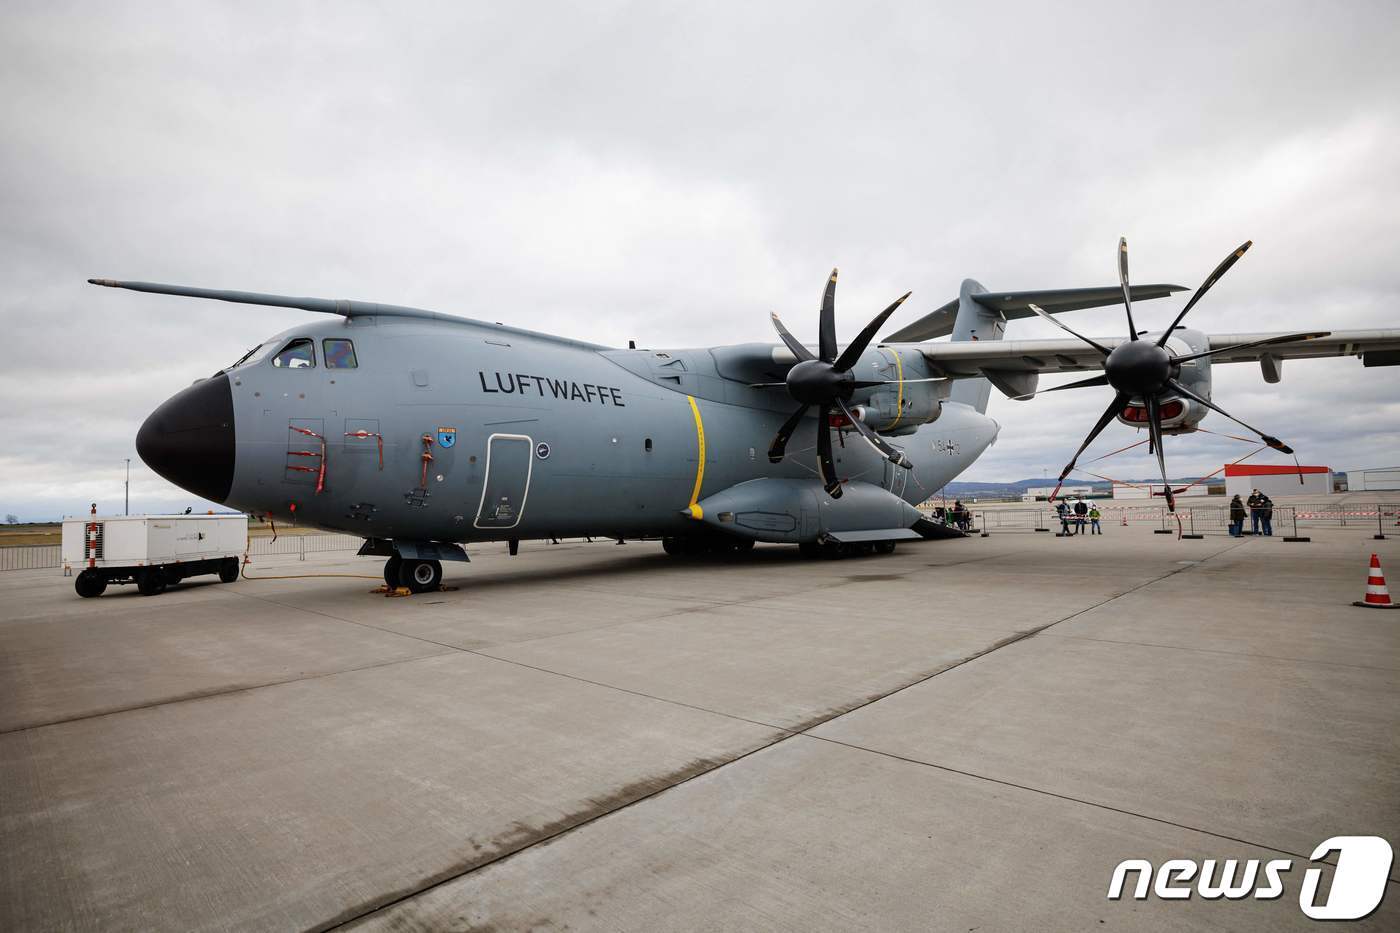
{"points": [[509, 459]]}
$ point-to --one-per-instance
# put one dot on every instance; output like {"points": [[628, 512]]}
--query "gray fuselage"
{"points": [[533, 436]]}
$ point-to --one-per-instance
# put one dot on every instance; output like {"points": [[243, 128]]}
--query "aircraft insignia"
{"points": [[447, 437]]}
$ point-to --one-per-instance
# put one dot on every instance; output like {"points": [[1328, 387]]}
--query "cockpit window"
{"points": [[246, 357], [298, 354], [338, 353]]}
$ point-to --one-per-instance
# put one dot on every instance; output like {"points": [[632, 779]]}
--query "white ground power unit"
{"points": [[152, 551]]}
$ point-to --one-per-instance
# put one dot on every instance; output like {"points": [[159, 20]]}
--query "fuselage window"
{"points": [[299, 354], [338, 353]]}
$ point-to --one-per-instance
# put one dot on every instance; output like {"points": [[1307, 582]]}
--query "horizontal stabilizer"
{"points": [[1013, 305]]}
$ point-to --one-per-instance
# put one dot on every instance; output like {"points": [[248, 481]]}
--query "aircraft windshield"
{"points": [[247, 356], [299, 354]]}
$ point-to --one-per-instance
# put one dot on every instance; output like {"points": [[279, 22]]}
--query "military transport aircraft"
{"points": [[421, 431]]}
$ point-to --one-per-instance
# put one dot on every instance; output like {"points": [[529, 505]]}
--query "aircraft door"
{"points": [[509, 459], [896, 478]]}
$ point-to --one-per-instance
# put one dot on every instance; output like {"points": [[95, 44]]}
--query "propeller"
{"points": [[827, 382], [1145, 370]]}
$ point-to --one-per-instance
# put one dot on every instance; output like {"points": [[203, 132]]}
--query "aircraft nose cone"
{"points": [[189, 440]]}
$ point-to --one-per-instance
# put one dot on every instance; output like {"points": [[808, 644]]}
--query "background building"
{"points": [[1154, 490], [1243, 478], [1036, 493], [1384, 478]]}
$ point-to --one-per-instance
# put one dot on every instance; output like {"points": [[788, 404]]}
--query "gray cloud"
{"points": [[672, 173]]}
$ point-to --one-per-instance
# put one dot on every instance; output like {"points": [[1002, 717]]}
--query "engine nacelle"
{"points": [[1179, 415], [900, 409]]}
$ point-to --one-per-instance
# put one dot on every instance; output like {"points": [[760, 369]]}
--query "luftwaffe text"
{"points": [[545, 387]]}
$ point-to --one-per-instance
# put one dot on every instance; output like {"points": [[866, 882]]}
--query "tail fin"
{"points": [[975, 321]]}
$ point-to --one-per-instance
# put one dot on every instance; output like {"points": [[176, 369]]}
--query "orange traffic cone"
{"points": [[1377, 595]]}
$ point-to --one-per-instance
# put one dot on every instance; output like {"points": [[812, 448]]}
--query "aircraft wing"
{"points": [[978, 357]]}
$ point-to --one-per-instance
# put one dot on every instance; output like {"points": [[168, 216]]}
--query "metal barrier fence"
{"points": [[48, 556], [29, 557], [301, 545], [1001, 521]]}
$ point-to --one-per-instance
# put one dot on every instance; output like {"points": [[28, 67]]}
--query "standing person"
{"points": [[1062, 510], [1256, 506], [1094, 520], [1266, 514], [1081, 511], [1236, 516]]}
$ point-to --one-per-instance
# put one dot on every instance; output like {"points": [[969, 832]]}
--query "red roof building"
{"points": [[1277, 480]]}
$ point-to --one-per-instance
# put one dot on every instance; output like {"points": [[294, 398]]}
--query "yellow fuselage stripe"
{"points": [[898, 402], [695, 510]]}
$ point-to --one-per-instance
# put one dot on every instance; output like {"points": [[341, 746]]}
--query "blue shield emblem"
{"points": [[447, 437]]}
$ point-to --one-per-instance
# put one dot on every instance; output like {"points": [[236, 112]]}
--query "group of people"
{"points": [[1073, 518], [1260, 509], [958, 516]]}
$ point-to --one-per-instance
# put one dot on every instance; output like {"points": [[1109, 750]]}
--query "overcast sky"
{"points": [[672, 173]]}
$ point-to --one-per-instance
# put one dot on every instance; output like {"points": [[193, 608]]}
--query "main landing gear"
{"points": [[704, 545], [419, 576], [833, 550]]}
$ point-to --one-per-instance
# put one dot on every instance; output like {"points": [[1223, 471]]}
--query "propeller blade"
{"points": [[1123, 280], [826, 333], [779, 445], [1081, 384], [1286, 338], [793, 344], [885, 449], [1067, 329], [848, 357], [1211, 279], [1268, 439], [767, 385], [1154, 432], [824, 459], [1108, 415]]}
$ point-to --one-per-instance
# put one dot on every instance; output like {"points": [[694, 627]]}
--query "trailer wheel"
{"points": [[420, 576], [150, 582], [90, 583], [228, 570], [391, 571]]}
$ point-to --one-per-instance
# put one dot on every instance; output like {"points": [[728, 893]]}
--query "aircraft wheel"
{"points": [[89, 584], [228, 570], [672, 546], [884, 547], [391, 571], [150, 582], [420, 576], [809, 549]]}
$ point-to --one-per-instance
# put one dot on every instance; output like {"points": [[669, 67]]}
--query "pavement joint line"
{"points": [[785, 735], [1329, 860], [335, 618], [195, 697], [1235, 654]]}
